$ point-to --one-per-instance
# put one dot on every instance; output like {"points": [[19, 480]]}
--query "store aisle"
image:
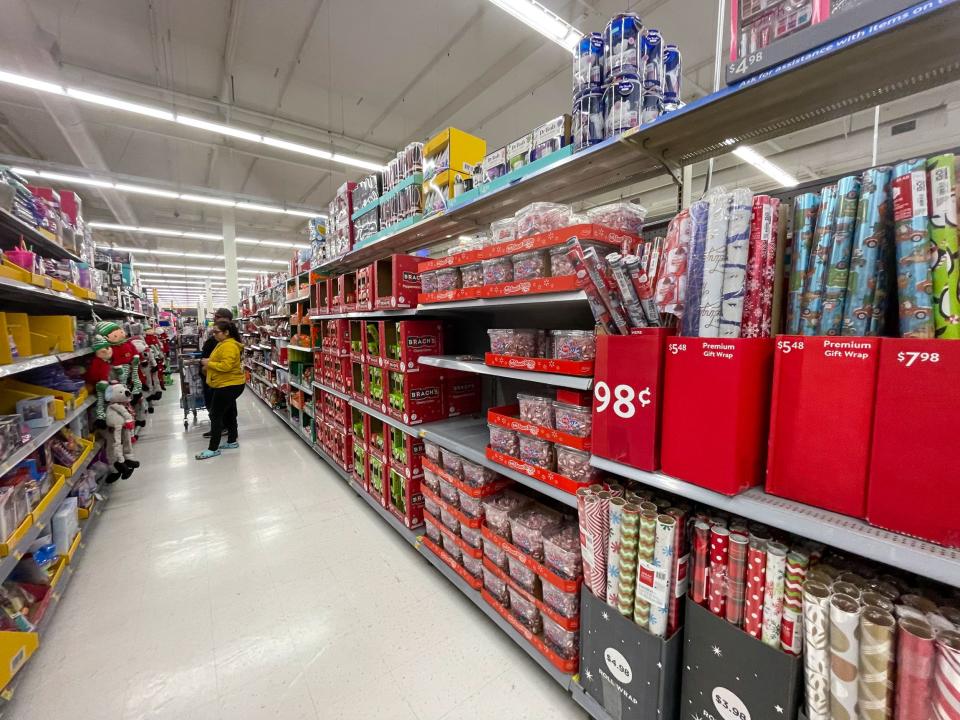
{"points": [[258, 585]]}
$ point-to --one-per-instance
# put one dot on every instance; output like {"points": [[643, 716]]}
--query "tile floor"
{"points": [[258, 585]]}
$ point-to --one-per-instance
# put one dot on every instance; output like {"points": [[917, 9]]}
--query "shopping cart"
{"points": [[191, 386]]}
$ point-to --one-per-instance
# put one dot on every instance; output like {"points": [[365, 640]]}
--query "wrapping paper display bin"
{"points": [[635, 362], [716, 403], [726, 671], [821, 415], [633, 674], [916, 388]]}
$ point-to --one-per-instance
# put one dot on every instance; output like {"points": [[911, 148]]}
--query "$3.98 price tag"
{"points": [[622, 399], [729, 706]]}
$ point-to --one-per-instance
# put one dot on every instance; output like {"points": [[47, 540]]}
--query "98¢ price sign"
{"points": [[622, 399]]}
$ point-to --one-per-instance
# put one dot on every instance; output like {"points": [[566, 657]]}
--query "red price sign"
{"points": [[628, 379]]}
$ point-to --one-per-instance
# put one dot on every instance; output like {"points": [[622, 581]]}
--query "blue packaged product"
{"points": [[652, 106], [588, 119], [672, 74], [651, 52], [588, 63], [621, 104], [621, 45]]}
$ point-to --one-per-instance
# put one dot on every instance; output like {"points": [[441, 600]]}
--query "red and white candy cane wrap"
{"points": [[756, 576]]}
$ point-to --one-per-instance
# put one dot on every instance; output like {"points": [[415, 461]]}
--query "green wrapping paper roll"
{"points": [[914, 279], [865, 282], [645, 547], [834, 294], [629, 533], [804, 222], [942, 182], [814, 284]]}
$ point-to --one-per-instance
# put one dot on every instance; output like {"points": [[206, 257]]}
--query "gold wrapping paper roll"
{"points": [[875, 691]]}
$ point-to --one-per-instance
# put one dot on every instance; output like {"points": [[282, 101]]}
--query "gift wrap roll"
{"points": [[594, 508], [877, 637], [844, 656], [700, 559], [586, 540], [805, 209], [945, 260], [693, 290], [663, 555], [838, 267], [756, 580], [915, 669], [791, 625], [680, 551], [912, 241], [816, 647], [946, 688], [735, 263], [600, 527], [814, 284], [629, 532], [736, 578], [773, 593], [717, 573], [757, 304], [645, 548], [714, 256], [613, 550]]}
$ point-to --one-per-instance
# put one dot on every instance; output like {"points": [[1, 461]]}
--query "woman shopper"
{"points": [[208, 345], [225, 377]]}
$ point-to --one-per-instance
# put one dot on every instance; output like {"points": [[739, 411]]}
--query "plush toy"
{"points": [[99, 375], [125, 358], [120, 426], [146, 378], [156, 349]]}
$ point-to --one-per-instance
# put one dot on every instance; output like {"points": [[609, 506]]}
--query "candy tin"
{"points": [[536, 409], [497, 270], [530, 265]]}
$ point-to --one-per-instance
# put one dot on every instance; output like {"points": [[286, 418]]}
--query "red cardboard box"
{"points": [[396, 281], [716, 403], [364, 288], [403, 342], [324, 291], [377, 470], [375, 434], [336, 410], [404, 498], [373, 342], [335, 336], [360, 463], [376, 387], [415, 398], [358, 388], [358, 341], [628, 397], [345, 299], [461, 393], [72, 206], [914, 485], [406, 452], [821, 416], [358, 425]]}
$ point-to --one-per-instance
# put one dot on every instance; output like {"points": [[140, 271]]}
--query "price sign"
{"points": [[910, 358], [627, 386], [788, 346], [729, 705]]}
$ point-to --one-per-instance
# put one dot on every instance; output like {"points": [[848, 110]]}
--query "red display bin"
{"points": [[377, 470], [373, 342], [580, 368], [375, 434], [821, 416], [913, 484], [364, 288], [628, 397], [358, 387], [404, 498], [396, 281], [358, 341], [334, 336], [360, 463], [561, 482], [507, 416], [716, 403], [403, 342], [336, 410], [345, 299], [415, 398], [375, 387], [461, 393], [406, 452], [320, 296]]}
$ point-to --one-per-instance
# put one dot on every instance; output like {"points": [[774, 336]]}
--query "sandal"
{"points": [[207, 454], [229, 445]]}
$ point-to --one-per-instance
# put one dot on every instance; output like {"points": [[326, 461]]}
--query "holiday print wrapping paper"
{"points": [[714, 256], [616, 506], [663, 555], [816, 644], [758, 301], [877, 636], [811, 302], [773, 593], [945, 253], [700, 216], [735, 263], [844, 656], [835, 290], [629, 537], [717, 572], [805, 209], [756, 582], [915, 668], [912, 242], [736, 577], [645, 547]]}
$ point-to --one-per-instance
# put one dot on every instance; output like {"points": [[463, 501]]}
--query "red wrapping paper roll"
{"points": [[717, 575], [680, 559], [946, 681], [915, 665], [701, 561], [756, 579], [736, 578]]}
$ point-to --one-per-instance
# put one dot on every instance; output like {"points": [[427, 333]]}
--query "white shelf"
{"points": [[305, 388], [469, 438], [41, 436], [278, 366], [408, 429], [327, 388], [839, 531], [452, 362], [262, 364], [31, 363], [300, 348]]}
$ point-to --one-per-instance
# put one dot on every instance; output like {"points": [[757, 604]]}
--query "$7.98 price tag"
{"points": [[623, 399], [909, 358]]}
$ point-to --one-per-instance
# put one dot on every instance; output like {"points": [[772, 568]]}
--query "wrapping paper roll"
{"points": [[645, 548], [773, 593], [946, 684], [616, 506], [838, 268], [600, 526], [814, 284], [714, 257], [756, 581], [914, 279], [699, 217], [663, 555], [616, 490], [680, 547], [791, 625], [876, 600], [670, 291], [735, 263], [717, 573], [805, 209], [758, 301], [736, 578], [915, 668], [875, 692], [844, 656], [629, 531], [700, 558], [816, 648], [945, 263], [586, 540]]}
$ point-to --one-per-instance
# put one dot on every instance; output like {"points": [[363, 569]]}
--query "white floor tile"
{"points": [[258, 585]]}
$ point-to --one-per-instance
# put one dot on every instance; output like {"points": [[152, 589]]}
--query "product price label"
{"points": [[652, 583], [789, 346], [622, 399], [675, 348], [911, 358], [729, 705]]}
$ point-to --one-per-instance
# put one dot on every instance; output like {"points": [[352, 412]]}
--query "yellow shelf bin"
{"points": [[15, 649], [17, 327], [14, 271], [74, 546], [59, 567], [69, 472], [61, 328], [48, 498], [10, 544]]}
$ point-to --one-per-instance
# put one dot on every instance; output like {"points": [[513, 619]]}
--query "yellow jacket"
{"points": [[224, 367]]}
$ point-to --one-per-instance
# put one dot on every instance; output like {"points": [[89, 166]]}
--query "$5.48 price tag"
{"points": [[623, 399], [911, 358]]}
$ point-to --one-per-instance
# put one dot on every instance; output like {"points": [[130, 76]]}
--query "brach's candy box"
{"points": [[404, 341], [416, 398], [461, 393], [345, 298], [396, 281], [406, 452], [358, 342], [364, 288], [404, 498]]}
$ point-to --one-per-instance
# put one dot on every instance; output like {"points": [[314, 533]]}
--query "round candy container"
{"points": [[428, 282], [497, 270], [472, 275], [573, 344], [572, 419], [588, 119], [536, 409], [503, 440], [622, 40], [571, 463], [588, 62], [560, 264], [621, 102], [448, 279], [530, 265], [534, 451], [652, 105]]}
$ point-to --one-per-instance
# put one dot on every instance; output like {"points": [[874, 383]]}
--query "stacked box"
{"points": [[396, 281], [404, 342]]}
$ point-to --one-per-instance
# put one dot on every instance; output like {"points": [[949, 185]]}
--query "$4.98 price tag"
{"points": [[623, 399]]}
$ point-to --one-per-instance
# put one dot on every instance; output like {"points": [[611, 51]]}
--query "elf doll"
{"points": [[125, 359], [155, 346], [99, 375]]}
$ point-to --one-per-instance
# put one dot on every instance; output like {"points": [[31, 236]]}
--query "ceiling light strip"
{"points": [[544, 21], [165, 232]]}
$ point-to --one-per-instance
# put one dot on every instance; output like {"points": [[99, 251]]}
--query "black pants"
{"points": [[207, 397], [223, 414]]}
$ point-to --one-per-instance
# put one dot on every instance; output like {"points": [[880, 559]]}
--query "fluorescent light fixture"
{"points": [[32, 83], [222, 202], [117, 104], [60, 177], [297, 148], [751, 156], [545, 22], [202, 236], [166, 232], [213, 127], [143, 190], [357, 162], [303, 213], [260, 208]]}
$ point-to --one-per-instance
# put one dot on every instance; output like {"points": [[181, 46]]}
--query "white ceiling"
{"points": [[363, 77]]}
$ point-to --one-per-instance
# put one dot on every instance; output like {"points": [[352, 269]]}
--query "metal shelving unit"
{"points": [[327, 388], [42, 436], [411, 536], [476, 305], [840, 531], [408, 429], [12, 228], [452, 362], [37, 361], [308, 390]]}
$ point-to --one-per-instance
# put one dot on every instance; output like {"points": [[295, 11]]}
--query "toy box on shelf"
{"points": [[448, 156], [334, 336], [336, 410], [340, 445], [404, 341], [396, 282], [321, 296]]}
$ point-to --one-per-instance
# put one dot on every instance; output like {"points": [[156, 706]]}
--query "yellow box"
{"points": [[68, 472], [69, 400], [465, 150], [12, 270], [73, 547], [58, 569], [11, 393], [41, 281], [84, 513], [63, 328], [10, 544], [47, 499], [15, 649], [82, 293], [18, 328], [43, 343]]}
